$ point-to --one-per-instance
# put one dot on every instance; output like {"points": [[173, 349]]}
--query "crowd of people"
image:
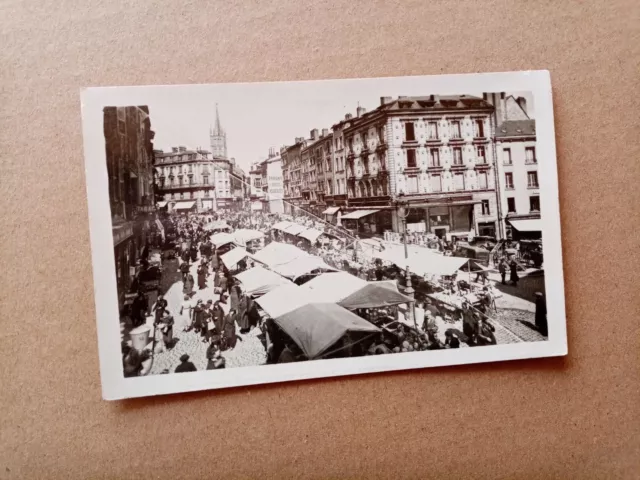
{"points": [[217, 320]]}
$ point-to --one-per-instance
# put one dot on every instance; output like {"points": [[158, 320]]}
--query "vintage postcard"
{"points": [[268, 232]]}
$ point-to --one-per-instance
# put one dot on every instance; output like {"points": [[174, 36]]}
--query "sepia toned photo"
{"points": [[253, 233]]}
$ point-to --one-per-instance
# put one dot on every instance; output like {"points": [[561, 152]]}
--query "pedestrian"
{"points": [[187, 288], [218, 316], [185, 365], [502, 268], [193, 251], [223, 282], [202, 277], [160, 308], [514, 273], [485, 335], [451, 341], [469, 323], [198, 317], [541, 314], [214, 357], [165, 324], [184, 269], [139, 308], [186, 310]]}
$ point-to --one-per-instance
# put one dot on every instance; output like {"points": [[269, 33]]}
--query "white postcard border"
{"points": [[115, 386]]}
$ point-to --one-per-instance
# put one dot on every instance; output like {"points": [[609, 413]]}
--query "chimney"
{"points": [[314, 134], [348, 116], [385, 100], [174, 149], [485, 96], [325, 132], [182, 149], [299, 139], [360, 111], [432, 98], [523, 104]]}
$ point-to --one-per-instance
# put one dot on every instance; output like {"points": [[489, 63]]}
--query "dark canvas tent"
{"points": [[374, 295], [315, 327]]}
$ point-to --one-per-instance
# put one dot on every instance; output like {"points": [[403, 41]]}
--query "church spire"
{"points": [[218, 138], [218, 128]]}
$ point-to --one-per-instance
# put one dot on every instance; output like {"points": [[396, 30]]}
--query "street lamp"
{"points": [[402, 209]]}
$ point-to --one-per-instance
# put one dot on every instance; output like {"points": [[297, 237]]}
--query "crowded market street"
{"points": [[227, 285]]}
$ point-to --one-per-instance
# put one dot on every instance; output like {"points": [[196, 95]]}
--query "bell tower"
{"points": [[218, 138]]}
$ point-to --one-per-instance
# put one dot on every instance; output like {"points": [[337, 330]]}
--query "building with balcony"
{"points": [[292, 175], [129, 156], [186, 179]]}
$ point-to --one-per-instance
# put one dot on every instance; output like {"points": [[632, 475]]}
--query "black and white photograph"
{"points": [[266, 232]]}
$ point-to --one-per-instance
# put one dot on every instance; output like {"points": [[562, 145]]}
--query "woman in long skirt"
{"points": [[230, 336], [187, 289], [202, 277]]}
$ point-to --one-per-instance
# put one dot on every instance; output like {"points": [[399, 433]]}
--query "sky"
{"points": [[257, 116]]}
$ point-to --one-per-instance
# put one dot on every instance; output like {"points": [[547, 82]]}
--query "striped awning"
{"points": [[184, 205], [358, 214]]}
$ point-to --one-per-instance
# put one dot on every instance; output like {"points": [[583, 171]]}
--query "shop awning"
{"points": [[527, 225], [232, 257], [222, 238], [334, 286], [281, 225], [375, 295], [217, 225], [315, 327], [277, 253], [302, 266], [331, 211], [358, 214], [245, 235], [258, 281], [284, 299], [184, 205], [423, 261], [162, 204], [310, 234], [295, 229]]}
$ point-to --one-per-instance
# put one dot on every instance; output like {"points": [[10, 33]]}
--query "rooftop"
{"points": [[516, 128]]}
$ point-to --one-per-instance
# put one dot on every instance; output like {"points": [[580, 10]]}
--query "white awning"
{"points": [[331, 210], [294, 229], [246, 235], [334, 286], [358, 214], [162, 204], [183, 205], [232, 257], [310, 234], [281, 225], [222, 238], [527, 225], [285, 299], [302, 266], [277, 253], [258, 280]]}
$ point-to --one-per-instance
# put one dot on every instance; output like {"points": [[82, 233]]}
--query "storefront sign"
{"points": [[144, 209], [121, 233], [275, 186]]}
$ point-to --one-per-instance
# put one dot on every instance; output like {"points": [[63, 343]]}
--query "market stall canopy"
{"points": [[315, 327], [528, 225], [245, 235], [358, 214], [184, 205], [423, 261], [334, 286], [277, 253], [232, 257], [281, 225], [302, 266], [284, 299], [217, 225], [331, 211], [258, 280], [222, 238], [375, 295], [310, 234], [294, 229], [162, 204]]}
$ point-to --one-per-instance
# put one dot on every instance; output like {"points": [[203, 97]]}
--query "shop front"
{"points": [[125, 256], [524, 228], [367, 222]]}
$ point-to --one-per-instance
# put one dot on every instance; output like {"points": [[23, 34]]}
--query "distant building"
{"points": [[129, 156], [517, 162], [186, 179], [218, 138]]}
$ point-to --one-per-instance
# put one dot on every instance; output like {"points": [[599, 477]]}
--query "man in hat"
{"points": [[185, 365], [541, 314]]}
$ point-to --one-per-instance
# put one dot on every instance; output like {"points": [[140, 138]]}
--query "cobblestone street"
{"points": [[249, 350]]}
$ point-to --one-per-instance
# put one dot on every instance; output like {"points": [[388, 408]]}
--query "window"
{"points": [[436, 183], [457, 156], [508, 180], [458, 181], [412, 184], [479, 128], [532, 179], [190, 179], [433, 130], [455, 129], [482, 180], [410, 133], [530, 155], [534, 203], [482, 156], [507, 156], [434, 157], [411, 158], [206, 193], [485, 207], [511, 205], [205, 180], [181, 195]]}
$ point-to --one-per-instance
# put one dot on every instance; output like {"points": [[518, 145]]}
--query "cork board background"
{"points": [[573, 417]]}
